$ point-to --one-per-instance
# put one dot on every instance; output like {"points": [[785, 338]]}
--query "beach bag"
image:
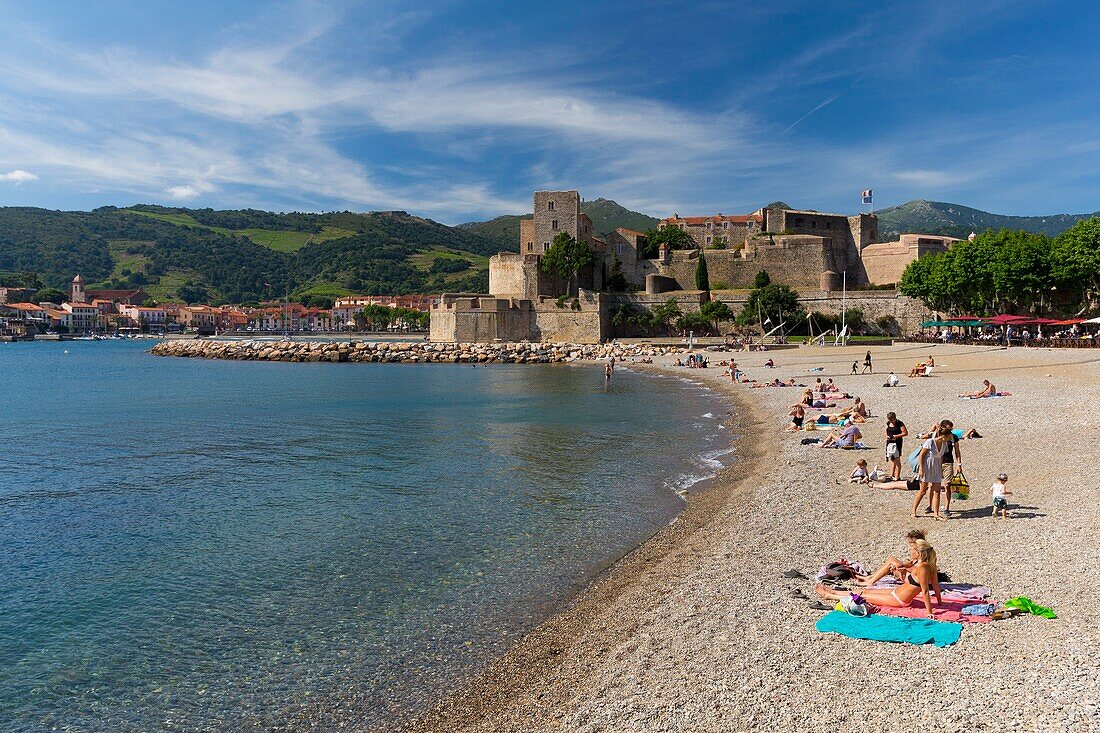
{"points": [[959, 486], [912, 484], [853, 605], [914, 461], [877, 475], [838, 570]]}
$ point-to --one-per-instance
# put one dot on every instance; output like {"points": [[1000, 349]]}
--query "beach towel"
{"points": [[948, 610], [965, 592], [913, 461], [877, 627], [1023, 603], [979, 609]]}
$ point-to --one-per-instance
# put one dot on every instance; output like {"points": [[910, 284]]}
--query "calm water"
{"points": [[191, 545]]}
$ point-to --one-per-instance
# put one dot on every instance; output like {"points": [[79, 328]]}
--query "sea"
{"points": [[195, 545]]}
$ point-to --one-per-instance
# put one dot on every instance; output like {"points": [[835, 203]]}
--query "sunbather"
{"points": [[893, 566], [798, 414], [988, 391], [846, 439], [920, 579]]}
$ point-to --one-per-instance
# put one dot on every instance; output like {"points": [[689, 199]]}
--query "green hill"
{"points": [[935, 217], [245, 255], [606, 216]]}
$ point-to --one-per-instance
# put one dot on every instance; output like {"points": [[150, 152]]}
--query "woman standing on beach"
{"points": [[930, 471], [867, 363], [895, 432]]}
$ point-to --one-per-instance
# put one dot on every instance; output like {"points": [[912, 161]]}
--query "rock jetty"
{"points": [[406, 352]]}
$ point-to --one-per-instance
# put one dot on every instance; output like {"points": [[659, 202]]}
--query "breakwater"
{"points": [[405, 352]]}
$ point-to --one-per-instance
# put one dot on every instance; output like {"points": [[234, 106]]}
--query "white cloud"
{"points": [[929, 178], [182, 193], [18, 176]]}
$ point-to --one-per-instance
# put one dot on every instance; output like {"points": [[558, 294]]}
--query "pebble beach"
{"points": [[698, 630]]}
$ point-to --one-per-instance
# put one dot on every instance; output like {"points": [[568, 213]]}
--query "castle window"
{"points": [[725, 225], [554, 225], [708, 240], [549, 205], [828, 225], [798, 222], [708, 225]]}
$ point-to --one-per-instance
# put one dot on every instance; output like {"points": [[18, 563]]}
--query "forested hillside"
{"points": [[242, 256], [936, 217]]}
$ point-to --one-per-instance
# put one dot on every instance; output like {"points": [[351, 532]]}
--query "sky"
{"points": [[458, 110]]}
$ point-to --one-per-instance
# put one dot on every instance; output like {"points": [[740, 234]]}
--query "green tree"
{"points": [[1076, 258], [762, 280], [566, 257], [694, 321], [770, 301], [674, 237], [666, 313], [715, 311], [702, 276], [50, 295], [616, 282]]}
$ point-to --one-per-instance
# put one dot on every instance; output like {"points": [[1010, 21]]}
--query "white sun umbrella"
{"points": [[1092, 320]]}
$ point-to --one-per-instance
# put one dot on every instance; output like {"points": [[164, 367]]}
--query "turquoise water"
{"points": [[208, 545]]}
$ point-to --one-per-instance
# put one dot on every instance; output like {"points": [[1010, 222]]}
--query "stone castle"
{"points": [[815, 253]]}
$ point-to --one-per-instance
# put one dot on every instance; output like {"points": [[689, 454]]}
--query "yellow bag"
{"points": [[959, 486]]}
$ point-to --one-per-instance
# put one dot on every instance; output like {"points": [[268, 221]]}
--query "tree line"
{"points": [[1010, 271]]}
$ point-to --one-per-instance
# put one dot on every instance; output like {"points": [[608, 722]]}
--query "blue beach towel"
{"points": [[878, 627], [914, 461]]}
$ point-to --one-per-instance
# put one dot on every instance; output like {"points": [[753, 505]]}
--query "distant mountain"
{"points": [[243, 255], [606, 216], [935, 217]]}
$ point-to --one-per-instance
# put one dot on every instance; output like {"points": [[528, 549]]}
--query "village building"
{"points": [[135, 296], [83, 317]]}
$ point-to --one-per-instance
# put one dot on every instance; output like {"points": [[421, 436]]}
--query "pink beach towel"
{"points": [[949, 610], [955, 597]]}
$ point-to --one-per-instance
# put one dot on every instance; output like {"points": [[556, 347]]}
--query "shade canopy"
{"points": [[1005, 319]]}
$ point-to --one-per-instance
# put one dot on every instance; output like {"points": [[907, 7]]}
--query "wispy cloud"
{"points": [[294, 109], [823, 104], [18, 176]]}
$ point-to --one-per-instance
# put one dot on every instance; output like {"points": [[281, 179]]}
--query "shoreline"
{"points": [[698, 629], [504, 681]]}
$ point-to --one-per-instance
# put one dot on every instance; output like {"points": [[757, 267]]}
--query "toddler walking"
{"points": [[999, 493]]}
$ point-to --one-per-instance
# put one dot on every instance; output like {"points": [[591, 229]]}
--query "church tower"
{"points": [[78, 290]]}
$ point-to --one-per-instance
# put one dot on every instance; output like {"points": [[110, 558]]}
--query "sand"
{"points": [[697, 630]]}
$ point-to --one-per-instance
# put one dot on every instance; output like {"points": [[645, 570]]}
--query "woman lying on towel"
{"points": [[919, 579]]}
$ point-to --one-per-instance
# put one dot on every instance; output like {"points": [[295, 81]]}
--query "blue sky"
{"points": [[458, 110]]}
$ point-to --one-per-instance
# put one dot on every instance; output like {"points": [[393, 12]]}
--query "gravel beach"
{"points": [[697, 629]]}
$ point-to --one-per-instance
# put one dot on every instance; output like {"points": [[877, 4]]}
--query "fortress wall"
{"points": [[553, 323], [884, 263], [506, 275]]}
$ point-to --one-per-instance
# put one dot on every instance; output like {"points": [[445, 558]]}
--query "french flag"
{"points": [[867, 196]]}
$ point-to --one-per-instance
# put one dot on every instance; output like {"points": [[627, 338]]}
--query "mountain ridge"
{"points": [[606, 216], [939, 217]]}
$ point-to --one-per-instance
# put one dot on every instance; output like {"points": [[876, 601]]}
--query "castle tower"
{"points": [[78, 290]]}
